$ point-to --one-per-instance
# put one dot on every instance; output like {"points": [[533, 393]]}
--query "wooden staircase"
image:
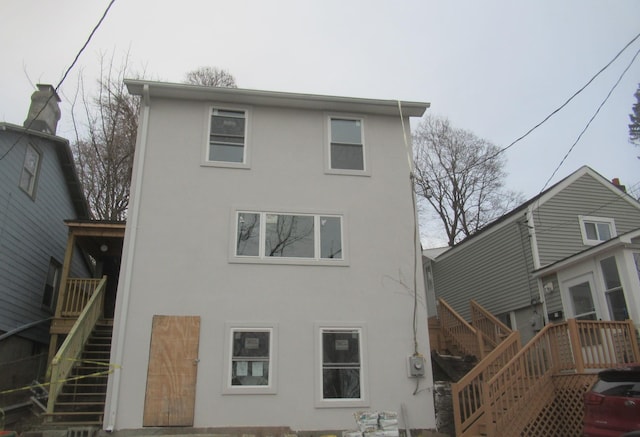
{"points": [[82, 397], [535, 389]]}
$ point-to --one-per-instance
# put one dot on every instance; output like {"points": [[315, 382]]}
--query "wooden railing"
{"points": [[493, 330], [469, 391], [468, 339], [77, 293], [519, 391], [72, 347]]}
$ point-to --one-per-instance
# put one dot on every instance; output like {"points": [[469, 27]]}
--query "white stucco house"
{"points": [[270, 273]]}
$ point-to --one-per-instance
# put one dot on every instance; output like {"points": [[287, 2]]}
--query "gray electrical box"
{"points": [[416, 366]]}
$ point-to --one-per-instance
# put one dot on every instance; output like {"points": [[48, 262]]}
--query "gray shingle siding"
{"points": [[493, 270], [556, 221], [31, 232]]}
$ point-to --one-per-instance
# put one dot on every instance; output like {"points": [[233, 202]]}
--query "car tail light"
{"points": [[592, 398]]}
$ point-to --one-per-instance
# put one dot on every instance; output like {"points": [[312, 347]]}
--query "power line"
{"points": [[64, 76], [555, 111], [619, 196], [595, 114]]}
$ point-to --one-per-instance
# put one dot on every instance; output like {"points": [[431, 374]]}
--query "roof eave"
{"points": [[277, 99], [65, 157]]}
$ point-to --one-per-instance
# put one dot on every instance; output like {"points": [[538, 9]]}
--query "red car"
{"points": [[612, 406]]}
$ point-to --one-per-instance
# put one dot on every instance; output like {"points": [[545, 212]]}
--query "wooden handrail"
{"points": [[71, 349], [465, 336], [493, 330], [468, 393], [570, 346], [77, 293]]}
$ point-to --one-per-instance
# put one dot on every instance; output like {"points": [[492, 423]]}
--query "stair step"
{"points": [[81, 403], [74, 413]]}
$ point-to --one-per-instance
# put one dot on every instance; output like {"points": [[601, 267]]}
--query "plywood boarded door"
{"points": [[171, 376]]}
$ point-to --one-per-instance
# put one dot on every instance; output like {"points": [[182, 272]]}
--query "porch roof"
{"points": [[624, 240]]}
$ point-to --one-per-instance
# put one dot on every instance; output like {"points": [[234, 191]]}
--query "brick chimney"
{"points": [[44, 112], [616, 182]]}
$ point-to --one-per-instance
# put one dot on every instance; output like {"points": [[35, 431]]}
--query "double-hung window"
{"points": [[342, 378], [227, 143], [250, 361], [346, 146], [595, 230], [613, 289], [30, 167], [275, 237]]}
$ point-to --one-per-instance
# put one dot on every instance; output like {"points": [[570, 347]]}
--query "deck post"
{"points": [[576, 345]]}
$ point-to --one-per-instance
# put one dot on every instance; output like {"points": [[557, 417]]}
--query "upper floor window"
{"points": [[283, 236], [227, 144], [595, 230], [346, 149], [30, 168]]}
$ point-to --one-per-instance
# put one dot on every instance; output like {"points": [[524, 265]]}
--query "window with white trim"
{"points": [[342, 378], [346, 145], [30, 168], [271, 236], [613, 289], [227, 136], [595, 230], [250, 361]]}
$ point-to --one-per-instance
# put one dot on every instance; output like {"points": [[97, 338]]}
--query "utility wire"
{"points": [[64, 76], [619, 196], [570, 98], [595, 114], [558, 109]]}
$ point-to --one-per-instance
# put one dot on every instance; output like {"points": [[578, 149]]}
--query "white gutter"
{"points": [[124, 289]]}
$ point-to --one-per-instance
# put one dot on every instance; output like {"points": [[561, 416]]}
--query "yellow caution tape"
{"points": [[112, 368]]}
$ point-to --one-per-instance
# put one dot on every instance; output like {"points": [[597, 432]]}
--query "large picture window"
{"points": [[250, 366], [272, 236], [342, 377], [227, 136]]}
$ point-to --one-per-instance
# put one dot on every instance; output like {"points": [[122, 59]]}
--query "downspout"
{"points": [[124, 289], [535, 255]]}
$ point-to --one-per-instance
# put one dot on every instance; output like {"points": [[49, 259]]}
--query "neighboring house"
{"points": [[570, 252], [268, 266], [39, 189]]}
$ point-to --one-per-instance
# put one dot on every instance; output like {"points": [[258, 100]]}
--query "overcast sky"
{"points": [[496, 68]]}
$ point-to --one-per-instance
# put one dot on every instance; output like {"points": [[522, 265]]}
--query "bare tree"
{"points": [[105, 140], [461, 176], [210, 76]]}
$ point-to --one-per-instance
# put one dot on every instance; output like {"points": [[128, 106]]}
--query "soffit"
{"points": [[276, 99]]}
